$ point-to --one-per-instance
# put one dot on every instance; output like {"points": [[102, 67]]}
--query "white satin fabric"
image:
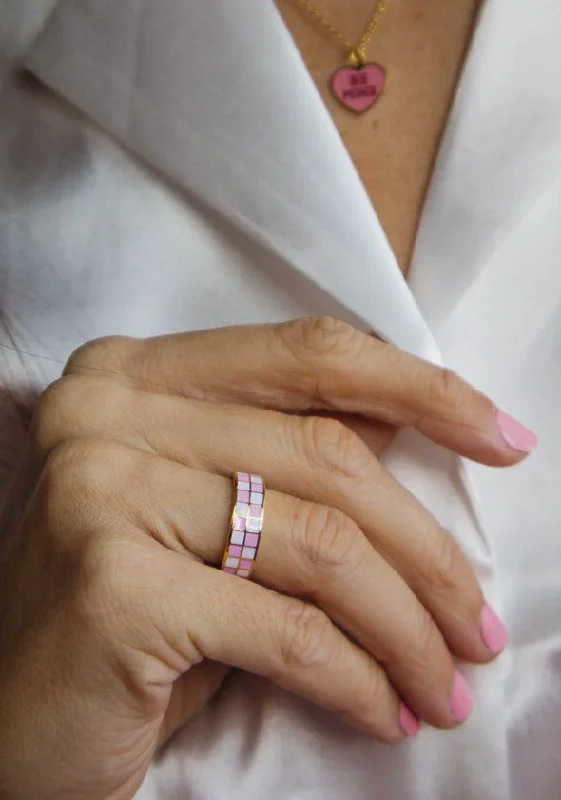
{"points": [[163, 171]]}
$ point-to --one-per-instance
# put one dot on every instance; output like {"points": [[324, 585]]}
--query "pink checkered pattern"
{"points": [[245, 529]]}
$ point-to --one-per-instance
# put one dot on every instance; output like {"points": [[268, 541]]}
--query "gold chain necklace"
{"points": [[359, 85]]}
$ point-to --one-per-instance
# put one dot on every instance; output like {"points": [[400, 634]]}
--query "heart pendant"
{"points": [[358, 88]]}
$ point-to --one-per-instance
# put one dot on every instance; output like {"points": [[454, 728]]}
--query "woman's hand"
{"points": [[115, 628]]}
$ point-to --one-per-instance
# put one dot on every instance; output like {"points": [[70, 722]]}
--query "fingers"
{"points": [[312, 552], [289, 641], [312, 458], [153, 614], [317, 364]]}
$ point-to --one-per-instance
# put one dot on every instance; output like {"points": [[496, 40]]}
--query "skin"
{"points": [[115, 626], [422, 45]]}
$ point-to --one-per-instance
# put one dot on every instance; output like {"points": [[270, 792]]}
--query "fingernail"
{"points": [[515, 434], [408, 721], [461, 701], [493, 631]]}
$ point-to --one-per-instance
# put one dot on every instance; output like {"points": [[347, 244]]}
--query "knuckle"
{"points": [[305, 638], [329, 539], [445, 389], [86, 467], [315, 336], [48, 416], [334, 447], [76, 406], [445, 571], [105, 353]]}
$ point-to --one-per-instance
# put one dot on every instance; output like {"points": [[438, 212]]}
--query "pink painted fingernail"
{"points": [[493, 631], [515, 434], [461, 701], [408, 721]]}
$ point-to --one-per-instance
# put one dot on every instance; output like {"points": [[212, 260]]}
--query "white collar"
{"points": [[234, 120]]}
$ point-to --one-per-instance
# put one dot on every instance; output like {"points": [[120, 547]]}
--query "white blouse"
{"points": [[164, 168]]}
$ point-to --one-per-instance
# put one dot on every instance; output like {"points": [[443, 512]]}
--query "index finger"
{"points": [[319, 364]]}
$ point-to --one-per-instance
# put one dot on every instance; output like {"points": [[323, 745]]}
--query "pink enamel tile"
{"points": [[255, 511], [255, 497], [229, 570], [256, 479], [239, 523], [248, 552], [233, 563], [235, 550], [243, 497], [243, 476], [241, 510], [243, 486], [254, 525], [243, 573], [237, 537], [251, 539], [245, 564]]}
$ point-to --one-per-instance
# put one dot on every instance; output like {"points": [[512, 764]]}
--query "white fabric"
{"points": [[172, 173]]}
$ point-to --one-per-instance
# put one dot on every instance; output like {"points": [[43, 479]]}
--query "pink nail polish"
{"points": [[408, 721], [515, 434], [461, 701], [493, 631]]}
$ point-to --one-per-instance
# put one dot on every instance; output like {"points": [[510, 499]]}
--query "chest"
{"points": [[422, 46]]}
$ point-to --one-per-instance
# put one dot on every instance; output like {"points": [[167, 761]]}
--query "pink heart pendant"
{"points": [[358, 88]]}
